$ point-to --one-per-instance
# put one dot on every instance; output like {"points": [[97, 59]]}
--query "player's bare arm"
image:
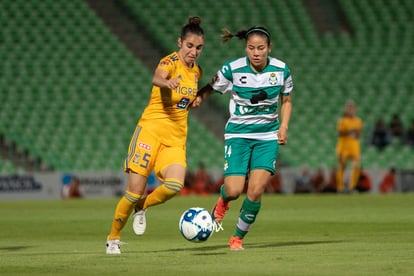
{"points": [[161, 79], [285, 112], [202, 94]]}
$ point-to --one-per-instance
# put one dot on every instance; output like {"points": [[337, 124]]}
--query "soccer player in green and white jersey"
{"points": [[257, 83]]}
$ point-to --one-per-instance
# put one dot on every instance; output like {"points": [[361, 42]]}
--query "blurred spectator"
{"points": [[70, 187], [396, 127], [409, 138], [275, 184], [388, 181], [364, 182], [303, 183], [202, 184], [199, 182], [188, 184], [330, 186], [219, 182], [380, 135], [318, 180], [74, 188]]}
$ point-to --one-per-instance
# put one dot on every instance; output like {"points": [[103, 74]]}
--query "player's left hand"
{"points": [[282, 136], [197, 102]]}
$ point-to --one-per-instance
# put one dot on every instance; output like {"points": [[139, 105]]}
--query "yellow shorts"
{"points": [[147, 154], [348, 150]]}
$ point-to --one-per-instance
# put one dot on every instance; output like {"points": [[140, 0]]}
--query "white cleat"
{"points": [[140, 222], [113, 247]]}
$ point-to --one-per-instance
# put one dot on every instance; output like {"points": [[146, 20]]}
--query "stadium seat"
{"points": [[69, 83]]}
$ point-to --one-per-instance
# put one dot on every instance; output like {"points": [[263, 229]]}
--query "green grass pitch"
{"points": [[293, 235]]}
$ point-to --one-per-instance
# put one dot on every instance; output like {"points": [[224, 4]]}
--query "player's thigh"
{"points": [[171, 162], [136, 183]]}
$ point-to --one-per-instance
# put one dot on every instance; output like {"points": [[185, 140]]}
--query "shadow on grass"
{"points": [[199, 250], [205, 249], [13, 248]]}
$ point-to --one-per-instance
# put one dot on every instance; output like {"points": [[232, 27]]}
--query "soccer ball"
{"points": [[196, 224]]}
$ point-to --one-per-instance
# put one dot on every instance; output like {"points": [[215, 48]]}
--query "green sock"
{"points": [[248, 213], [223, 194]]}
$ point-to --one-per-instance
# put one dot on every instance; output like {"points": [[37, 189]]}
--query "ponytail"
{"points": [[243, 34], [192, 26]]}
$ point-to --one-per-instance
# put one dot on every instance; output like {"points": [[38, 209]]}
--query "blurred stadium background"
{"points": [[75, 76]]}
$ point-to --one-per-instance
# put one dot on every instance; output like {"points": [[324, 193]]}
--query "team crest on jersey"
{"points": [[273, 79], [136, 158], [183, 103]]}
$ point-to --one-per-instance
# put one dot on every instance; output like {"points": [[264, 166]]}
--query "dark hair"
{"points": [[193, 26], [244, 34]]}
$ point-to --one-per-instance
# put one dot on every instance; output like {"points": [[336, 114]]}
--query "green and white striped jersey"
{"points": [[254, 97]]}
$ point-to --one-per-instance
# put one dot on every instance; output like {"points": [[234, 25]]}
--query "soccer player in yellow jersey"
{"points": [[159, 140], [349, 129]]}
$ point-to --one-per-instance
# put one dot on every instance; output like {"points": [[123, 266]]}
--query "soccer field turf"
{"points": [[293, 235]]}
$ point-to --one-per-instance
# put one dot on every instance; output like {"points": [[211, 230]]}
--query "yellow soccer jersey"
{"points": [[348, 145], [166, 113], [347, 124]]}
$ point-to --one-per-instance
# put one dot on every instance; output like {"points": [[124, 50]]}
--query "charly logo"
{"points": [[249, 217]]}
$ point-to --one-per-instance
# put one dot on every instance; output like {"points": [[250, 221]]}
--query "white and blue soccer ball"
{"points": [[196, 224]]}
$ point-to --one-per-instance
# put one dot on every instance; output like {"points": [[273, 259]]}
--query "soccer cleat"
{"points": [[219, 210], [236, 243], [113, 247], [140, 222]]}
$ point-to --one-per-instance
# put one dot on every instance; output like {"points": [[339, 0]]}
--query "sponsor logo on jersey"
{"points": [[144, 146], [243, 79], [186, 91], [183, 103], [289, 83]]}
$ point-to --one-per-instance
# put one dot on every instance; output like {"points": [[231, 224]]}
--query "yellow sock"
{"points": [[169, 188], [122, 212], [339, 179], [354, 178]]}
